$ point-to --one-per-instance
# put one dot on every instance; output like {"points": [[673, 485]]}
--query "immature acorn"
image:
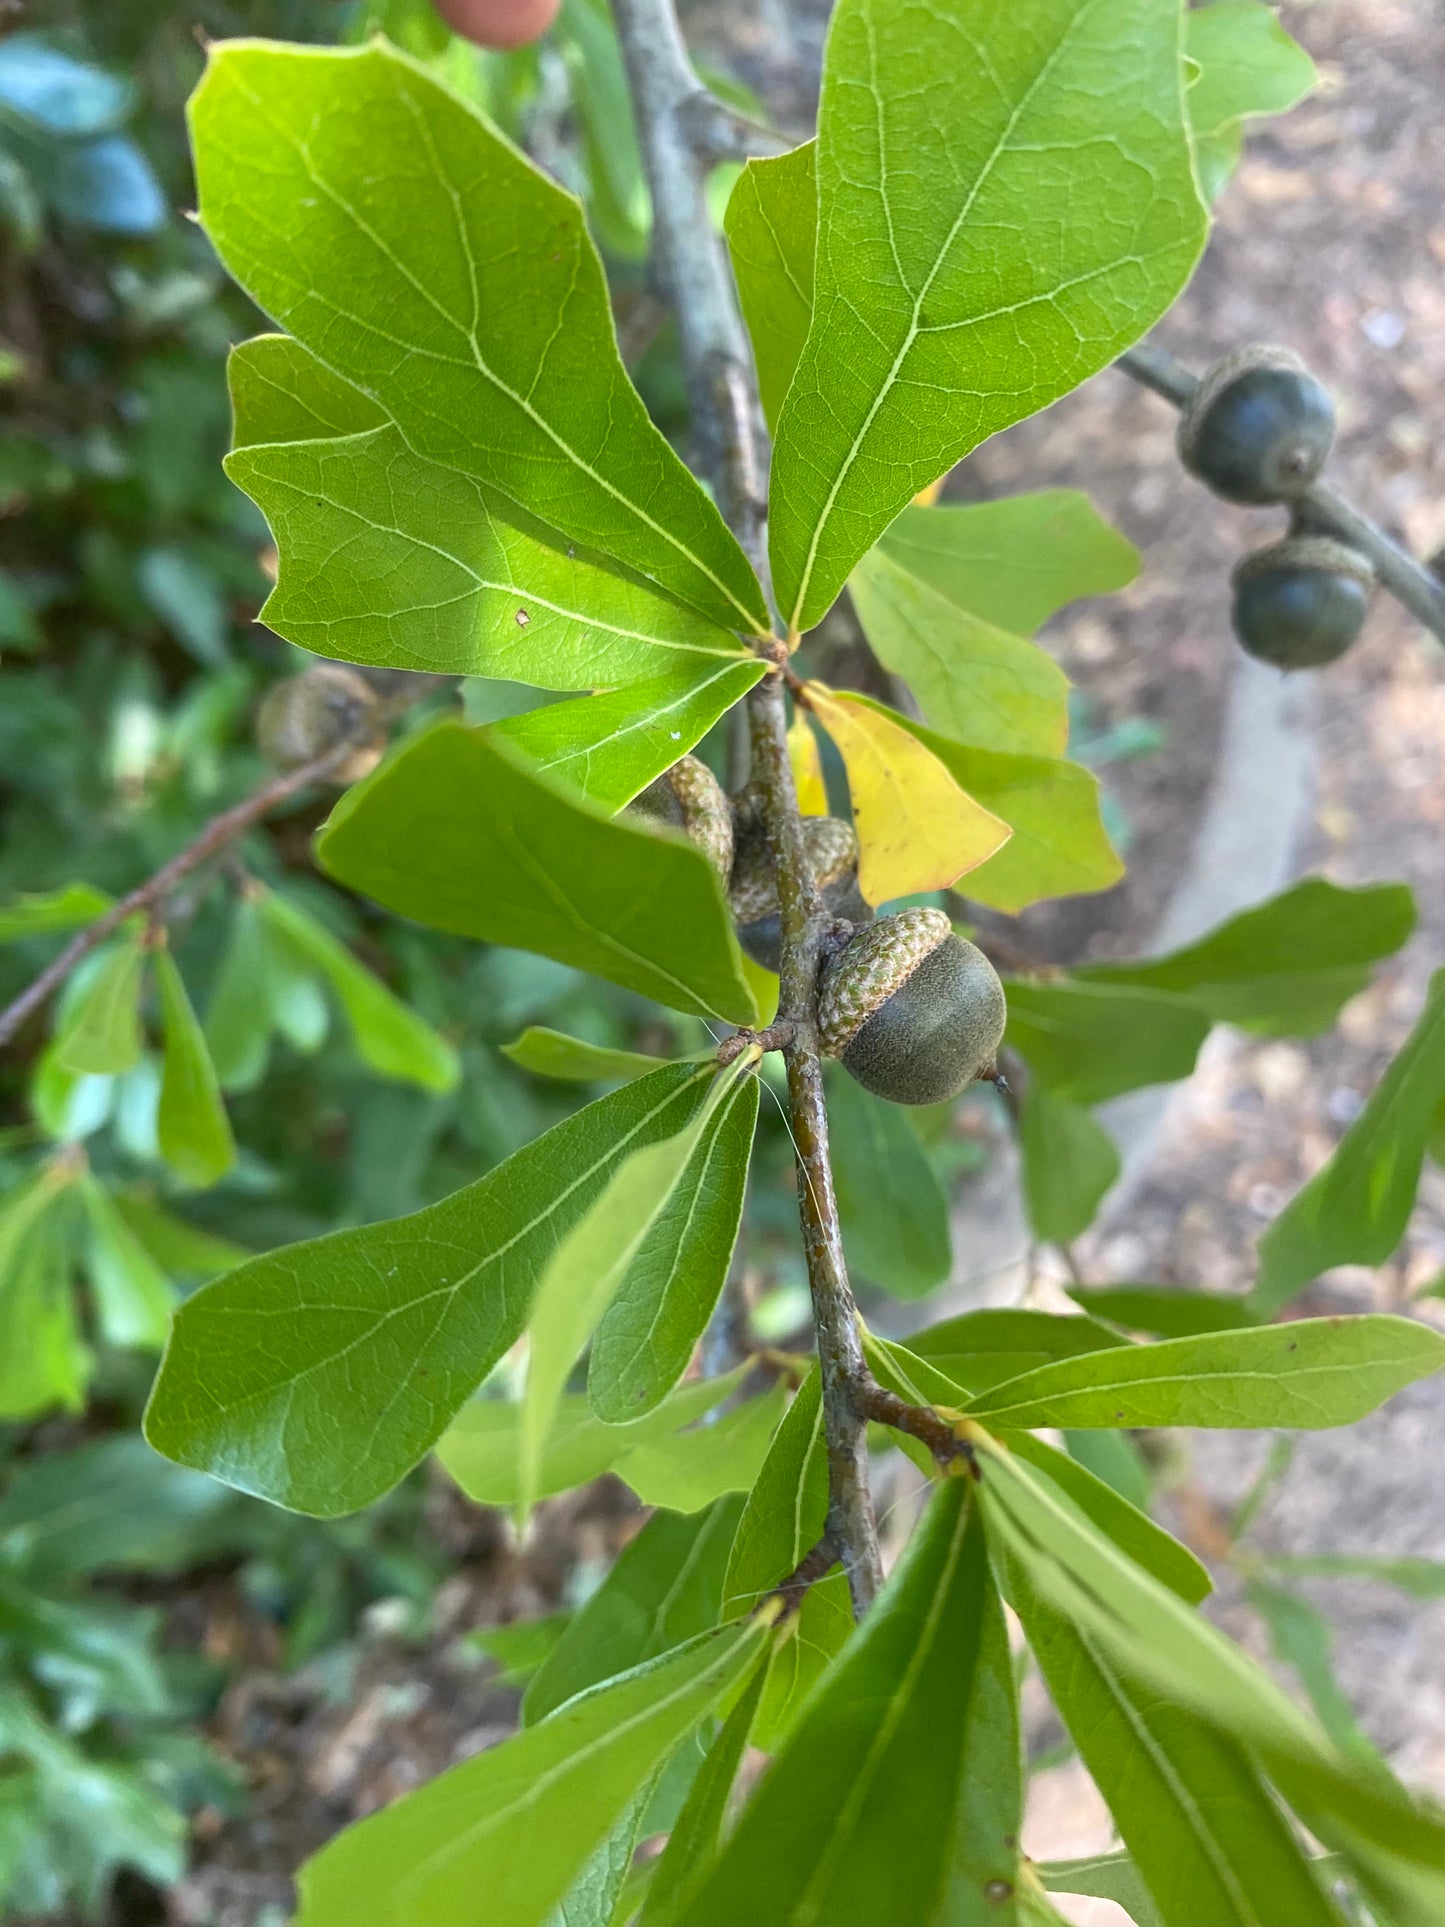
{"points": [[325, 706], [1300, 603], [688, 797], [1258, 427], [753, 889], [912, 1010]]}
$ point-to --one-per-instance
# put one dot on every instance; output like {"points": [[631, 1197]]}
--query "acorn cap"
{"points": [[688, 797], [1306, 552], [318, 710], [753, 891], [912, 1010], [1275, 439]]}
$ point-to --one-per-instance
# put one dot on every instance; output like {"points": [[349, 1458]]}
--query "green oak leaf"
{"points": [[100, 1031], [134, 1298], [697, 1832], [974, 681], [1059, 846], [388, 227], [455, 831], [552, 1053], [1311, 1373], [665, 1588], [880, 1753], [1085, 1042], [1157, 1643], [978, 1349], [391, 559], [1355, 1210], [659, 1311], [1286, 967], [1205, 1835], [192, 1128], [952, 296], [1069, 1161], [1014, 562], [317, 1375], [610, 746], [37, 913], [480, 1447], [1165, 1311], [520, 1821], [1246, 65], [772, 232], [892, 1209], [648, 1233], [390, 1036]]}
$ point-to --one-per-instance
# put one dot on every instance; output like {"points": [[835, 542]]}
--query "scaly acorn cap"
{"points": [[690, 798], [912, 1010], [753, 891], [319, 710]]}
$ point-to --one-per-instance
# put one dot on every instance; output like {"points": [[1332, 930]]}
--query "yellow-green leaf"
{"points": [[917, 830]]}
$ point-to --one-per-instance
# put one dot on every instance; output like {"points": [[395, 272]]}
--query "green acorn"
{"points": [[1301, 602], [688, 797], [325, 706], [1258, 427], [912, 1010], [753, 888]]}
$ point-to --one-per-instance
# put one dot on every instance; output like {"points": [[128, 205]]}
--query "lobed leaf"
{"points": [[975, 682], [917, 830], [428, 262], [1247, 65], [455, 832], [951, 298], [1016, 561], [1058, 846], [388, 558]]}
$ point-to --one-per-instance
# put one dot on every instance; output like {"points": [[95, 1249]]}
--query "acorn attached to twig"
{"points": [[1301, 602], [321, 709], [753, 890], [1258, 427], [912, 1010], [688, 797]]}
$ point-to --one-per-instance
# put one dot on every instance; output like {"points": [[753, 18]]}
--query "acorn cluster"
{"points": [[1257, 431], [909, 1008]]}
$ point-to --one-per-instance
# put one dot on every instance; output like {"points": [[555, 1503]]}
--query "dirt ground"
{"points": [[1332, 239]]}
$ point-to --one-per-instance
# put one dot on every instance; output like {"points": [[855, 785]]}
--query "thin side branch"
{"points": [[147, 897], [1409, 581], [692, 268]]}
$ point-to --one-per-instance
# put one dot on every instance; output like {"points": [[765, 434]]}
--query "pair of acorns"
{"points": [[910, 1009], [1257, 430]]}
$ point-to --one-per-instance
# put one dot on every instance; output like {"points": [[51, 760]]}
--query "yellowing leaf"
{"points": [[917, 830], [807, 767]]}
